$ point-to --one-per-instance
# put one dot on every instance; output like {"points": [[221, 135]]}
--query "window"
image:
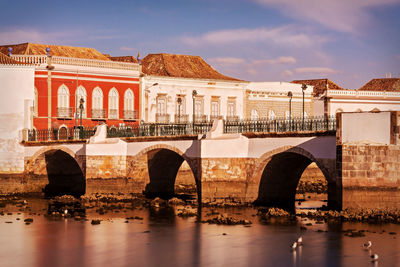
{"points": [[161, 105], [214, 108], [231, 108], [254, 114], [81, 94], [63, 97], [271, 114], [129, 100], [97, 102], [113, 104], [198, 106]]}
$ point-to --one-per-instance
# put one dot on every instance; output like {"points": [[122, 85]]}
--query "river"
{"points": [[157, 237]]}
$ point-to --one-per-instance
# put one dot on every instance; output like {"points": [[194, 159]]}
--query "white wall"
{"points": [[16, 97], [353, 105], [183, 86]]}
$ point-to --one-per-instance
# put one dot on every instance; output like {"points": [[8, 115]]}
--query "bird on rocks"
{"points": [[65, 211], [367, 245], [374, 257], [300, 241], [294, 246]]}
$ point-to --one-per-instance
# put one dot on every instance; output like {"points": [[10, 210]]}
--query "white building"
{"points": [[174, 87], [16, 110]]}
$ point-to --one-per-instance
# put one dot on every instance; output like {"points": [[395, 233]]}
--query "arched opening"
{"points": [[312, 189], [63, 133], [280, 179], [163, 167], [65, 176]]}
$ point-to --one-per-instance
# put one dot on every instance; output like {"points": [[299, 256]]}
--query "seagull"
{"points": [[300, 241], [374, 257], [367, 245], [294, 246], [65, 211]]}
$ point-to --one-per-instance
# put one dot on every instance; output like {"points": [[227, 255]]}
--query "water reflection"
{"points": [[161, 238]]}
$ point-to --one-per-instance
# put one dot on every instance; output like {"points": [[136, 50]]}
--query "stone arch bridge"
{"points": [[261, 168]]}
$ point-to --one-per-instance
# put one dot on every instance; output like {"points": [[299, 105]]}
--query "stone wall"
{"points": [[370, 175]]}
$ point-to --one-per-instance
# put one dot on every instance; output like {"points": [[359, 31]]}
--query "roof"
{"points": [[55, 50], [129, 59], [6, 60], [320, 85], [183, 66], [382, 84]]}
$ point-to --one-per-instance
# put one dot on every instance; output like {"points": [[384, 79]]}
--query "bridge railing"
{"points": [[164, 129]]}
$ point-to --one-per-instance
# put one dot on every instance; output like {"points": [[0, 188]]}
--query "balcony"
{"points": [[162, 118], [182, 118], [98, 114], [65, 113], [200, 118], [232, 118], [216, 117], [113, 114], [130, 115]]}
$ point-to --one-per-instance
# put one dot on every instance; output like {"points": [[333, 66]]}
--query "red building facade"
{"points": [[80, 86]]}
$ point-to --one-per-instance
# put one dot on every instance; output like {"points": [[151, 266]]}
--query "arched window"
{"points": [[129, 103], [35, 103], [97, 103], [271, 114], [254, 115], [81, 94], [113, 104], [63, 109]]}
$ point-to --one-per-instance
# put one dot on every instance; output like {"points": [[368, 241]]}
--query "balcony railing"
{"points": [[98, 113], [216, 117], [130, 115], [232, 118], [113, 114], [183, 118], [200, 118], [42, 59], [162, 118], [163, 129], [63, 112]]}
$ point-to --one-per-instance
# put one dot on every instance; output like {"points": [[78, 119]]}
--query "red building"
{"points": [[80, 86]]}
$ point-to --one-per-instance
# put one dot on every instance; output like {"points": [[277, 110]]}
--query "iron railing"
{"points": [[98, 113], [130, 115], [189, 128], [64, 112]]}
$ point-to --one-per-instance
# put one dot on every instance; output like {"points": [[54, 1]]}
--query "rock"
{"points": [[28, 220], [95, 222], [176, 201]]}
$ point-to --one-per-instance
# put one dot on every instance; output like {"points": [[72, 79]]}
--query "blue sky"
{"points": [[348, 41]]}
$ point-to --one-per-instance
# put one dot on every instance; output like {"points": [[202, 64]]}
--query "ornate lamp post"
{"points": [[179, 109], [290, 94], [303, 88], [194, 94], [81, 107]]}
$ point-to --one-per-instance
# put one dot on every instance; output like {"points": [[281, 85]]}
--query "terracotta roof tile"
{"points": [[55, 50], [129, 59], [320, 85], [382, 84], [6, 60], [183, 66]]}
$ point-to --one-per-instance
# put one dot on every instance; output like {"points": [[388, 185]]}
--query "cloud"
{"points": [[316, 70], [126, 48], [226, 61], [285, 35], [339, 15], [287, 73], [279, 60]]}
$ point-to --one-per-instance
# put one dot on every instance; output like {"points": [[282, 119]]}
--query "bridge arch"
{"points": [[163, 163], [277, 174], [58, 171]]}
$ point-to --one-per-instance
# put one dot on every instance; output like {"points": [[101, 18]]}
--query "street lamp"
{"points": [[194, 94], [179, 109], [303, 88], [81, 107], [290, 94]]}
